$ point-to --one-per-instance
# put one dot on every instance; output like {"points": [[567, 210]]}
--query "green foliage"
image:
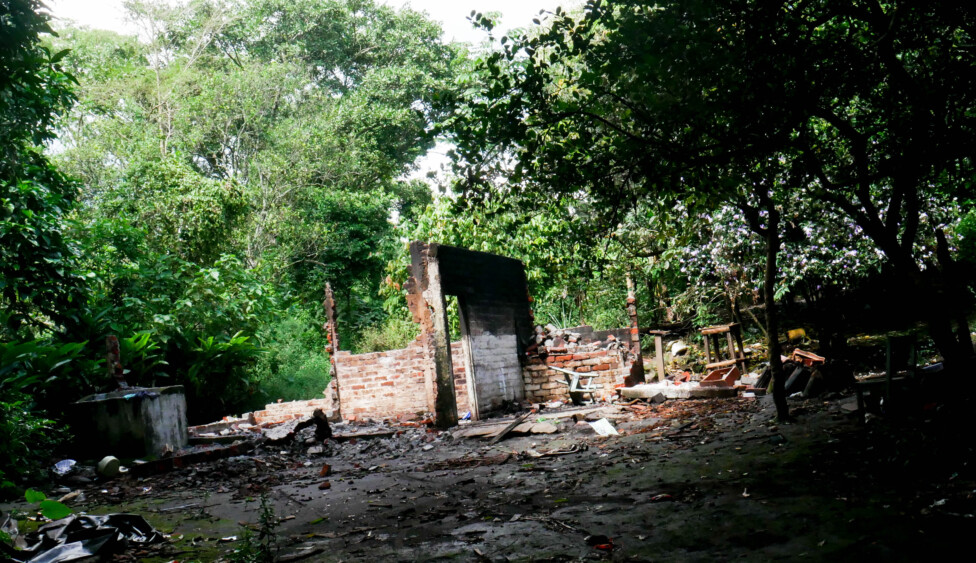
{"points": [[143, 359], [27, 439], [295, 365], [51, 373], [840, 122], [269, 130], [217, 373], [263, 546], [966, 235], [180, 210], [393, 334], [34, 89], [50, 509], [235, 159], [576, 270], [39, 289]]}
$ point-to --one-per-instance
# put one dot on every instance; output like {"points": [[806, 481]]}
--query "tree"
{"points": [[276, 131], [860, 107], [39, 289]]}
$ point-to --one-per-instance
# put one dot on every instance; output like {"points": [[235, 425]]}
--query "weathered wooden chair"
{"points": [[580, 385]]}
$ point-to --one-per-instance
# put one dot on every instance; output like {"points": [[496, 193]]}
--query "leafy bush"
{"points": [[217, 377], [143, 358], [53, 374], [295, 365], [392, 335], [27, 440]]}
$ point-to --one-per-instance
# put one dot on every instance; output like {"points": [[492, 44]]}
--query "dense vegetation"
{"points": [[191, 190], [835, 131]]}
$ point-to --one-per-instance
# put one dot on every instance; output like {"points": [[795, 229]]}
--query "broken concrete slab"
{"points": [[689, 390]]}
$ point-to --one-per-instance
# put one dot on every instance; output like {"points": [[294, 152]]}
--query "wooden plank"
{"points": [[509, 428], [722, 364], [731, 342]]}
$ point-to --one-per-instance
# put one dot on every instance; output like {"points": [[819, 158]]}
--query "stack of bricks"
{"points": [[386, 385], [276, 413], [543, 384]]}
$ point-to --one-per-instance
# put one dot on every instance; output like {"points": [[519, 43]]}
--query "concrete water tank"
{"points": [[130, 423]]}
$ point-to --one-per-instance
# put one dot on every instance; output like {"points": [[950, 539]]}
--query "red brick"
{"points": [[601, 367]]}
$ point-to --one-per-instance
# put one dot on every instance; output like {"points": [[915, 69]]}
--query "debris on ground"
{"points": [[79, 537], [401, 489]]}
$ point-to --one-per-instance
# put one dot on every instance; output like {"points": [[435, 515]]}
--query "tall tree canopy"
{"points": [[274, 130], [783, 108]]}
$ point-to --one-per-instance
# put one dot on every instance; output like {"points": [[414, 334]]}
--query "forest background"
{"points": [[192, 189]]}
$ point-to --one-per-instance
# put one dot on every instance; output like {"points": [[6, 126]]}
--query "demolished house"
{"points": [[502, 357]]}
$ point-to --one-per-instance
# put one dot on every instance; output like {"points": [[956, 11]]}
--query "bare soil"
{"points": [[685, 481]]}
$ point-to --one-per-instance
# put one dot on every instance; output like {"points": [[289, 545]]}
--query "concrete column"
{"points": [[446, 400]]}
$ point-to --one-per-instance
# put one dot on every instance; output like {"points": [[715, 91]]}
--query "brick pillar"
{"points": [[637, 369], [332, 347]]}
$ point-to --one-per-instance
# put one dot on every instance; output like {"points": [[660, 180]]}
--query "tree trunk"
{"points": [[772, 324], [955, 294]]}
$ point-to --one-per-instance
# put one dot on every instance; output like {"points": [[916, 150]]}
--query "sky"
{"points": [[452, 14]]}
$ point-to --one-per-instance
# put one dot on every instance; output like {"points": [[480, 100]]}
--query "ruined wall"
{"points": [[491, 333], [389, 384], [543, 384], [285, 411]]}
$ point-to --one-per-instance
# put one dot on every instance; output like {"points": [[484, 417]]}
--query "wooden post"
{"points": [[113, 361], [469, 360], [737, 333], [659, 356], [733, 355]]}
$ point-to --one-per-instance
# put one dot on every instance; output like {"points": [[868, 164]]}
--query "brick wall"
{"points": [[458, 361], [283, 412], [388, 384], [543, 384]]}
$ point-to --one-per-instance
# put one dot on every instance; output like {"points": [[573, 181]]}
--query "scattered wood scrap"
{"points": [[504, 432]]}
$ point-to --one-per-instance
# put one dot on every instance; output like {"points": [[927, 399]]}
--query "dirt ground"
{"points": [[685, 481]]}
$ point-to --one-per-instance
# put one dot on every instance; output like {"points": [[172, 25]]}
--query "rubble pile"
{"points": [[550, 337]]}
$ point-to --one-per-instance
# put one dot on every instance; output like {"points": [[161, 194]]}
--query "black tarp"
{"points": [[80, 537]]}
